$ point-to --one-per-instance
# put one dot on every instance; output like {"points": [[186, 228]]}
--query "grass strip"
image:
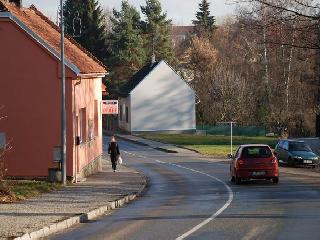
{"points": [[217, 146], [21, 190]]}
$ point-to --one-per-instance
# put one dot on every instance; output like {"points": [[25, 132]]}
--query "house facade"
{"points": [[180, 34], [30, 93], [157, 99]]}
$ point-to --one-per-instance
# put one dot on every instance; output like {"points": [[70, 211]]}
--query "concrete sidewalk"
{"points": [[58, 210]]}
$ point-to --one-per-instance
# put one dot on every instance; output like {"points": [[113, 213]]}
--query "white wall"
{"points": [[162, 101], [123, 125]]}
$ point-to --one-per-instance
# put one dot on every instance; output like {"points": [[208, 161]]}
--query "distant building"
{"points": [[30, 91], [157, 99], [180, 33]]}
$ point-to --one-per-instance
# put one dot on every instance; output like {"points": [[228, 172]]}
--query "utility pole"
{"points": [[63, 101]]}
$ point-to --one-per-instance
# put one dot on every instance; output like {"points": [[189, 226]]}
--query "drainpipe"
{"points": [[76, 129]]}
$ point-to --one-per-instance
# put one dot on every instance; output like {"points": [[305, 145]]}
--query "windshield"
{"points": [[299, 146], [256, 152]]}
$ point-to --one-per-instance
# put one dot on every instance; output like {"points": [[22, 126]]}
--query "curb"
{"points": [[165, 150], [133, 141], [147, 145], [85, 217]]}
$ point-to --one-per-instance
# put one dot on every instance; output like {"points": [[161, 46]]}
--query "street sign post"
{"points": [[110, 107]]}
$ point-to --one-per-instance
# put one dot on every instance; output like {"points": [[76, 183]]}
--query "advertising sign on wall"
{"points": [[110, 107]]}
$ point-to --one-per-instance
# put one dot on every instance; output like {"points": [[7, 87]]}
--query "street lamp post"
{"points": [[63, 100], [231, 134]]}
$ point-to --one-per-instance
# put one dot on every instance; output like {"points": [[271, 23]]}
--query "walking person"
{"points": [[114, 152]]}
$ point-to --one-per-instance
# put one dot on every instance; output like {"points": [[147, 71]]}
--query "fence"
{"points": [[249, 131]]}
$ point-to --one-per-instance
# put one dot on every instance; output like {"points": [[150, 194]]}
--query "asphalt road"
{"points": [[190, 197]]}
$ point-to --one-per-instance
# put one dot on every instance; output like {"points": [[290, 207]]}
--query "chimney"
{"points": [[18, 3]]}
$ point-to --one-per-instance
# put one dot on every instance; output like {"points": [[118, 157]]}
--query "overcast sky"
{"points": [[180, 11]]}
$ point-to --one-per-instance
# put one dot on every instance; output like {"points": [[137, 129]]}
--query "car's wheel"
{"points": [[290, 162], [275, 180], [237, 180]]}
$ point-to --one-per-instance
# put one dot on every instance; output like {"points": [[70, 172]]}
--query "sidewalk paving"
{"points": [[58, 210]]}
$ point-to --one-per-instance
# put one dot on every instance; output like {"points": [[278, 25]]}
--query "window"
{"points": [[83, 125], [96, 118], [127, 114], [121, 112], [285, 145], [237, 153], [256, 152], [280, 144], [299, 146]]}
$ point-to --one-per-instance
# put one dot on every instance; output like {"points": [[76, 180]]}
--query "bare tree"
{"points": [[300, 20]]}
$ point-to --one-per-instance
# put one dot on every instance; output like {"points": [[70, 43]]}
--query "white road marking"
{"points": [[214, 215], [254, 233]]}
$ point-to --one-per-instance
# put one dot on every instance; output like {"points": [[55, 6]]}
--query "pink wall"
{"points": [[86, 94], [30, 93]]}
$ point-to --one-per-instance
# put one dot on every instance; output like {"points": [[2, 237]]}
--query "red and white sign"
{"points": [[110, 107]]}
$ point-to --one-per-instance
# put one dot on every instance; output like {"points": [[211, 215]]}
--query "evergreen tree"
{"points": [[126, 43], [205, 23], [158, 30], [84, 21]]}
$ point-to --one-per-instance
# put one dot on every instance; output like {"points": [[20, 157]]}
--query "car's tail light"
{"points": [[240, 162], [274, 160]]}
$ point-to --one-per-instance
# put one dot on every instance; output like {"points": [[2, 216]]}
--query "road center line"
{"points": [[214, 215]]}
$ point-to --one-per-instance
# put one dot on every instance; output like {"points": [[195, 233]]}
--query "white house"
{"points": [[157, 99]]}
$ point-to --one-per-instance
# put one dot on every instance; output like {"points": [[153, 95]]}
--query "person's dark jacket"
{"points": [[113, 149]]}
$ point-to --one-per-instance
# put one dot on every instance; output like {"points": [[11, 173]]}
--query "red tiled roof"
{"points": [[181, 30], [49, 32]]}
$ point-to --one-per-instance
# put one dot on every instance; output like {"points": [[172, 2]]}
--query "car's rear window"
{"points": [[299, 146], [256, 152]]}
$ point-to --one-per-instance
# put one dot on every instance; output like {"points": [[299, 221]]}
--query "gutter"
{"points": [[76, 129], [92, 75]]}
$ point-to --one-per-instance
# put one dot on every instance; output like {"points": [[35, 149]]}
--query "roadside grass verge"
{"points": [[219, 151], [217, 146], [14, 190]]}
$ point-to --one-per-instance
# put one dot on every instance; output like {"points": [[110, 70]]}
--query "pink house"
{"points": [[30, 91]]}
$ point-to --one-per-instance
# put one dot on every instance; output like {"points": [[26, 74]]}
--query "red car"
{"points": [[254, 161]]}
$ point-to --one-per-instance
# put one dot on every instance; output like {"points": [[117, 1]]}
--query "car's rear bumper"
{"points": [[305, 162], [257, 173]]}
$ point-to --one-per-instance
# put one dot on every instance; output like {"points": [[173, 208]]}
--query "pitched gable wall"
{"points": [[30, 93], [162, 101]]}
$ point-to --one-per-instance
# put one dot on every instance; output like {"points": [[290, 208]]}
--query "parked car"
{"points": [[254, 161], [295, 152], [314, 144]]}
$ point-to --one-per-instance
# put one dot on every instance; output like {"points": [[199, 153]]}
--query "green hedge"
{"points": [[224, 130]]}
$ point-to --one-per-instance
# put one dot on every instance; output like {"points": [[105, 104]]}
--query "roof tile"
{"points": [[50, 33]]}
